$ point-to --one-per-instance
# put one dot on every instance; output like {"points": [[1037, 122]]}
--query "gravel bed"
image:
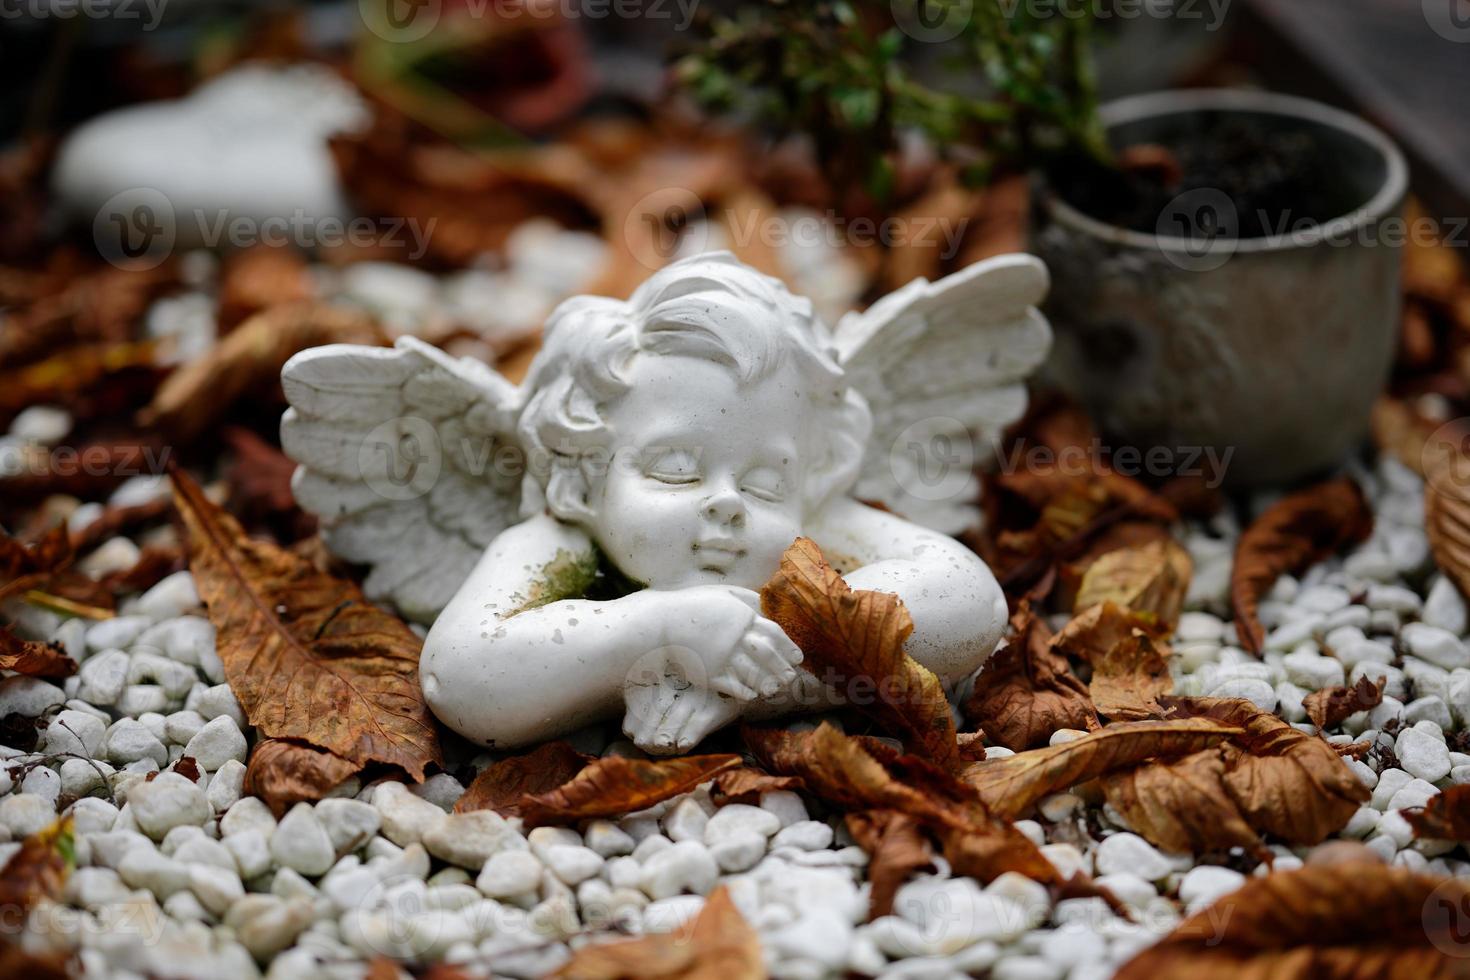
{"points": [[178, 878]]}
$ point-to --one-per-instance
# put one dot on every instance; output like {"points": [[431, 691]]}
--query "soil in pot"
{"points": [[1280, 176]]}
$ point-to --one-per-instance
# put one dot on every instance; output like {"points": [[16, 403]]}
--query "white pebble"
{"points": [[301, 843], [218, 742], [349, 823], [1206, 883], [686, 866], [406, 817], [1438, 646], [1445, 607], [573, 864], [509, 873], [29, 696], [1126, 852], [167, 802]]}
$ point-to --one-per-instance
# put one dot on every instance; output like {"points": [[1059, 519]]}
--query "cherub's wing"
{"points": [[410, 459], [943, 367]]}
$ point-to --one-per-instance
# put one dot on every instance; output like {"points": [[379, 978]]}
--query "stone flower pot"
{"points": [[1271, 349]]}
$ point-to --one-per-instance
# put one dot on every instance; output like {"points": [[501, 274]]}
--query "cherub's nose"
{"points": [[725, 507]]}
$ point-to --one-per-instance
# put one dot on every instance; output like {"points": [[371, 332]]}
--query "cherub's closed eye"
{"points": [[675, 467], [764, 483]]}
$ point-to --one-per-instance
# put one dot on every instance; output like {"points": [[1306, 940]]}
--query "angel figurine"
{"points": [[593, 541]]}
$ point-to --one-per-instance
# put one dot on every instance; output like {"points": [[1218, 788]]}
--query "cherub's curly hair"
{"points": [[710, 306]]}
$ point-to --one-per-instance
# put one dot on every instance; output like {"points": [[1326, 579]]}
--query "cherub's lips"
{"points": [[718, 549]]}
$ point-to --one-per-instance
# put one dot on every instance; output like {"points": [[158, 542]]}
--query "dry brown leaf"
{"points": [[1285, 782], [188, 767], [85, 379], [1181, 805], [897, 848], [717, 945], [746, 784], [863, 774], [284, 773], [853, 640], [250, 358], [32, 658], [37, 871], [257, 278], [1322, 922], [1130, 671], [1447, 518], [1150, 579], [383, 968], [1400, 431], [1011, 786], [1330, 706], [1445, 817], [614, 785], [45, 566], [308, 657], [1296, 531], [1026, 690], [16, 962], [501, 785]]}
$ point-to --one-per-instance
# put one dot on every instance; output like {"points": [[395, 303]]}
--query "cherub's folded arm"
{"points": [[518, 653]]}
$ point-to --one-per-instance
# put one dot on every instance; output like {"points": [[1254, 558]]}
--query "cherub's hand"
{"points": [[762, 663], [743, 654], [722, 653]]}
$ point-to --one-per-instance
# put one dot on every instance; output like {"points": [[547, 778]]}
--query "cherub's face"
{"points": [[705, 487]]}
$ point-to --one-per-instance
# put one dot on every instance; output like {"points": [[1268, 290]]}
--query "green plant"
{"points": [[1017, 85]]}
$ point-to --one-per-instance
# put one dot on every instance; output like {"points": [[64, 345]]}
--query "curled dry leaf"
{"points": [[857, 636], [501, 785], [1296, 531], [1181, 805], [1447, 519], [1445, 817], [32, 658], [37, 871], [308, 657], [863, 774], [45, 566], [1284, 782], [1011, 786], [1330, 706], [250, 358], [1320, 922], [1130, 671], [717, 945], [284, 773], [746, 784], [1026, 690], [897, 848], [1150, 579], [613, 786]]}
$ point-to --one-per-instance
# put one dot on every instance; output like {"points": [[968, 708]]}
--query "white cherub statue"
{"points": [[661, 455]]}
